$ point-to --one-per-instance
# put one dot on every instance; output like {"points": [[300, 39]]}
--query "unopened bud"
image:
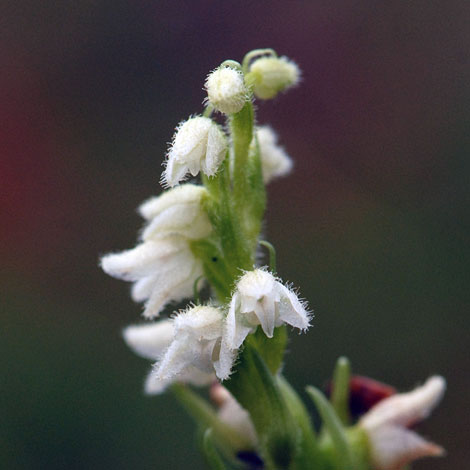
{"points": [[226, 90], [270, 75]]}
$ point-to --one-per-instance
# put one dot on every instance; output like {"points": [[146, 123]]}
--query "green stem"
{"points": [[241, 127], [272, 255], [255, 53]]}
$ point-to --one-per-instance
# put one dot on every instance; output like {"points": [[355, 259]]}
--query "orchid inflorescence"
{"points": [[208, 234]]}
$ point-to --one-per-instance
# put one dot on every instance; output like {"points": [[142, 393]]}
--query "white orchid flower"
{"points": [[274, 160], [195, 345], [163, 270], [199, 144], [392, 444], [231, 413], [259, 299], [176, 211], [151, 342]]}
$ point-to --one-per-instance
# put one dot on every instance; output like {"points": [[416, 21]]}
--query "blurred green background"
{"points": [[372, 225]]}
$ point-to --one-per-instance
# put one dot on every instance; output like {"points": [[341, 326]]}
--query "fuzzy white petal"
{"points": [[198, 333], [151, 340], [155, 385], [291, 310], [133, 264]]}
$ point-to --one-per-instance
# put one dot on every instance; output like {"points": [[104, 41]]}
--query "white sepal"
{"points": [[274, 160], [151, 341], [177, 211], [386, 424], [198, 145]]}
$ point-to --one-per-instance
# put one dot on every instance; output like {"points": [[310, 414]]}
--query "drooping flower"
{"points": [[231, 413], [163, 266], [271, 75], [226, 90], [259, 299], [274, 159], [151, 342], [392, 443], [196, 344], [176, 211], [199, 144], [163, 270]]}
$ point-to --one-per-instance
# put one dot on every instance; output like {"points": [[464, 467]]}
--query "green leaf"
{"points": [[271, 349], [340, 392], [257, 391], [307, 452], [334, 428], [210, 452]]}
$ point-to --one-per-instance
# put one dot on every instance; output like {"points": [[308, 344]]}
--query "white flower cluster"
{"points": [[202, 342], [162, 266]]}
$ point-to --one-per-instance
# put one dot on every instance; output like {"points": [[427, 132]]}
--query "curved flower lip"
{"points": [[386, 424]]}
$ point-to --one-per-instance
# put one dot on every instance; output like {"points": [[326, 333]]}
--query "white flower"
{"points": [[226, 90], [163, 270], [271, 75], [195, 345], [151, 341], [274, 159], [231, 413], [176, 211], [198, 144], [386, 424], [259, 299]]}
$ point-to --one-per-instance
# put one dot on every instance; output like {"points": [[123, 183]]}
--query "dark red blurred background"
{"points": [[372, 225]]}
